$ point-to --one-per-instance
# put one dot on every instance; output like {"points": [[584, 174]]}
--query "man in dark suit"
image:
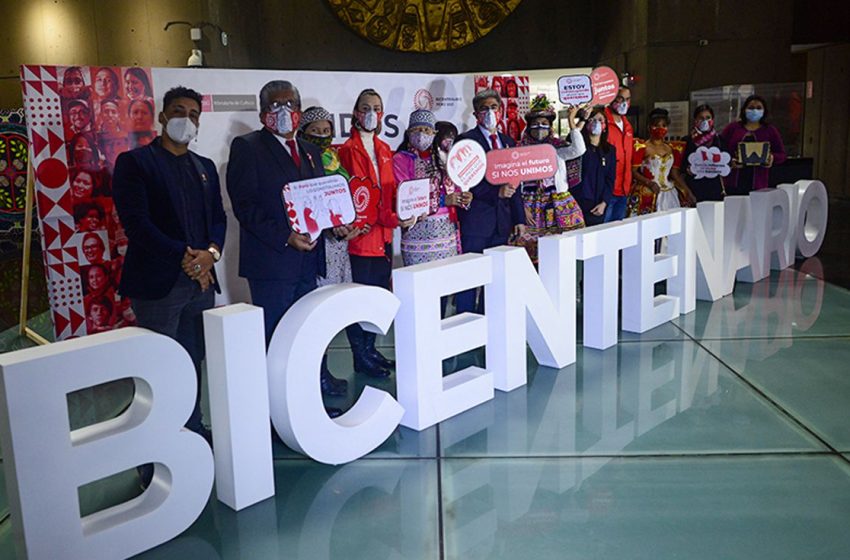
{"points": [[496, 211], [281, 265], [169, 201]]}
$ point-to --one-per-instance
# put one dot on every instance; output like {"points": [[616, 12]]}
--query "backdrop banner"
{"points": [[82, 117]]}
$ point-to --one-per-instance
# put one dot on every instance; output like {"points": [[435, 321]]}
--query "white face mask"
{"points": [[490, 121], [595, 127], [622, 108], [369, 122], [284, 124], [181, 129]]}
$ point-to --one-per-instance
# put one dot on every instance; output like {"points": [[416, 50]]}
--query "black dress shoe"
{"points": [[333, 387], [333, 412], [368, 366], [382, 360]]}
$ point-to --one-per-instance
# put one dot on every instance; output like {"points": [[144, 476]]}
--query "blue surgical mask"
{"points": [[754, 115]]}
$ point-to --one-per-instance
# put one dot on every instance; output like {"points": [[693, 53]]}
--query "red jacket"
{"points": [[355, 159], [623, 142]]}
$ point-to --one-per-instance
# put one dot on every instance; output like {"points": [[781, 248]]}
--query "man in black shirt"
{"points": [[169, 201]]}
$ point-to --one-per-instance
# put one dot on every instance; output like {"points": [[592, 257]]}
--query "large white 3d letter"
{"points": [[811, 216], [771, 224], [642, 269], [46, 464], [294, 361], [599, 247], [522, 305], [684, 285], [737, 239], [423, 340], [239, 403], [707, 245]]}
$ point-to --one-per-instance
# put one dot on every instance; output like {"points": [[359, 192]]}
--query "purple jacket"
{"points": [[734, 134]]}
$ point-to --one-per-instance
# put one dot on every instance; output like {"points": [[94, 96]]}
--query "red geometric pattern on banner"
{"points": [[70, 255], [49, 234], [35, 87], [56, 142], [55, 257], [72, 268], [51, 71], [76, 320], [49, 208], [60, 323], [51, 172], [66, 231], [38, 143]]}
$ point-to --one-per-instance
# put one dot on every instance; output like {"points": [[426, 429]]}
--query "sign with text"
{"points": [[574, 90], [709, 162], [605, 84], [525, 163], [414, 198], [313, 205], [466, 164]]}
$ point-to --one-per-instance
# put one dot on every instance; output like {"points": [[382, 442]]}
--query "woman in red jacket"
{"points": [[369, 161]]}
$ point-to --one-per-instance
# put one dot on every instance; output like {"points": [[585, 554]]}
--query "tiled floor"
{"points": [[725, 434]]}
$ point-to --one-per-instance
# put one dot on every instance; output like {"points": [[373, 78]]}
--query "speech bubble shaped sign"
{"points": [[709, 162], [413, 198], [574, 90], [466, 164], [605, 84], [512, 166], [313, 205]]}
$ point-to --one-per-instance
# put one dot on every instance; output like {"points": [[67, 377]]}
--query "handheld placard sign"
{"points": [[316, 204], [414, 198], [366, 197], [466, 164], [512, 166], [709, 162], [574, 90], [605, 84]]}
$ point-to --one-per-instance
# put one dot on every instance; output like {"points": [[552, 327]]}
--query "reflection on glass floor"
{"points": [[724, 434]]}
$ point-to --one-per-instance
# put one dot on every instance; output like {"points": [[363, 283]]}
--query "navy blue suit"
{"points": [[489, 220], [277, 274], [146, 195]]}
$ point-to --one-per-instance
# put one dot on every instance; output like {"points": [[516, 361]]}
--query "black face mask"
{"points": [[323, 142]]}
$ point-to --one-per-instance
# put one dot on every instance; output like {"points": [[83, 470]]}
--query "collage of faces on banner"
{"points": [[514, 91], [105, 111]]}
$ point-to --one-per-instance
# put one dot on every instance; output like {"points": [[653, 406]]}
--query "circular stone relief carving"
{"points": [[422, 25]]}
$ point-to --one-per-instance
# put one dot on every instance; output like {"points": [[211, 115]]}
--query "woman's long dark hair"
{"points": [[604, 146], [444, 130]]}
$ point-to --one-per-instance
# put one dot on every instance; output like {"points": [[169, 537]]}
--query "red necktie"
{"points": [[293, 151], [494, 141]]}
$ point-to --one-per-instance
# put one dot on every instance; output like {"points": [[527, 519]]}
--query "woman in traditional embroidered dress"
{"points": [[657, 170], [549, 207], [316, 127], [434, 235]]}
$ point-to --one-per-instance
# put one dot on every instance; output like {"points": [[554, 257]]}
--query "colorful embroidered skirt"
{"points": [[434, 238], [547, 213]]}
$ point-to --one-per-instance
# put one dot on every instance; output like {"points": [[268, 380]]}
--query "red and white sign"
{"points": [[605, 84], [709, 162], [512, 166], [575, 90], [466, 164], [316, 204], [414, 198]]}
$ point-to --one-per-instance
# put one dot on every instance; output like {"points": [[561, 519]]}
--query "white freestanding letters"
{"points": [[709, 249], [737, 222], [524, 305], [294, 361], [239, 404], [599, 247], [771, 212], [46, 463], [683, 284], [642, 268], [811, 217], [423, 340]]}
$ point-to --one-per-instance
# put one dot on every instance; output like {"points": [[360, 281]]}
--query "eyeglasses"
{"points": [[290, 104]]}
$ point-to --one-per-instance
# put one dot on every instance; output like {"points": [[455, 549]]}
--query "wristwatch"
{"points": [[216, 254]]}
